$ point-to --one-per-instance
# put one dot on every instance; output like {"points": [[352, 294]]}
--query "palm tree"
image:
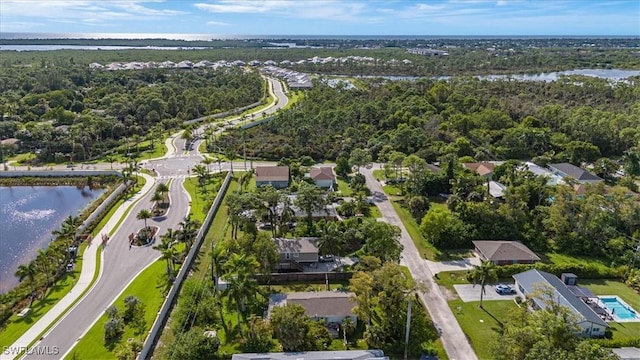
{"points": [[242, 285], [144, 214], [68, 227], [28, 272], [168, 252], [208, 161], [43, 261], [189, 231], [218, 255], [231, 155], [157, 198], [329, 241], [202, 174], [163, 189], [481, 275], [110, 159]]}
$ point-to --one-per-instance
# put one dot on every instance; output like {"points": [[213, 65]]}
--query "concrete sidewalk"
{"points": [[89, 263]]}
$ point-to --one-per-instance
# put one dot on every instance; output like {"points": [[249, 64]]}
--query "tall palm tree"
{"points": [[188, 231], [481, 275], [202, 174], [68, 227], [208, 161], [242, 285], [163, 189], [168, 251], [157, 198], [28, 272], [329, 241], [144, 214], [231, 155], [218, 255], [43, 261]]}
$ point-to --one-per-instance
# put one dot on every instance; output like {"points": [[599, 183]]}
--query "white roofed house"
{"points": [[589, 318]]}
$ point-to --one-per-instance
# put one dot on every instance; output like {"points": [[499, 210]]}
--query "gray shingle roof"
{"points": [[317, 303], [297, 245], [575, 172], [529, 280], [496, 250]]}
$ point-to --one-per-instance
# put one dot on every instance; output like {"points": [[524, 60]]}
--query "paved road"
{"points": [[120, 263], [453, 339]]}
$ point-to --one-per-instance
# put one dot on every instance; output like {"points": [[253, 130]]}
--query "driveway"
{"points": [[470, 293], [453, 265]]}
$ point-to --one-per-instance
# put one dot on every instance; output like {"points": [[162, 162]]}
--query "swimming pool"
{"points": [[620, 310]]}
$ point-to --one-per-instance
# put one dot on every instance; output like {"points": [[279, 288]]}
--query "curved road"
{"points": [[121, 264]]}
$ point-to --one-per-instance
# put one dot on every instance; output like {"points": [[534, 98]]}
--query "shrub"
{"points": [[583, 271]]}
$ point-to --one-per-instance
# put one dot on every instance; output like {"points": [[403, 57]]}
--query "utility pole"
{"points": [[244, 150], [408, 328]]}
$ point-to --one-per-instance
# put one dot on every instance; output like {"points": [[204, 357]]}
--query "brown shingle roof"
{"points": [[482, 168], [322, 173], [323, 303], [496, 250], [272, 173], [297, 245]]}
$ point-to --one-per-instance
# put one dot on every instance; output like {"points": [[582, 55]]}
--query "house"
{"points": [[567, 294], [504, 252], [331, 306], [323, 177], [482, 168], [328, 213], [297, 251], [433, 168], [276, 176], [316, 355], [568, 170]]}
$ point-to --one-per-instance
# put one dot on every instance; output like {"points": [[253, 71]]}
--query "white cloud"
{"points": [[56, 10], [19, 26], [305, 9], [217, 23]]}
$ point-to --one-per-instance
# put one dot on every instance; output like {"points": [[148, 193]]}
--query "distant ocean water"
{"points": [[207, 37]]}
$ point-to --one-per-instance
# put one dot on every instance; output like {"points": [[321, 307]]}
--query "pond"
{"points": [[28, 215]]}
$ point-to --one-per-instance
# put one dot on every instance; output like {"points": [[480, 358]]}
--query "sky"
{"points": [[324, 17]]}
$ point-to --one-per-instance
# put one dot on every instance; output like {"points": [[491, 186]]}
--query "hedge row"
{"points": [[610, 343], [582, 270]]}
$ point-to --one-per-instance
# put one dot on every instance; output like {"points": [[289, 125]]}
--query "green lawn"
{"points": [[115, 206], [343, 188], [374, 212], [17, 326], [449, 278], [620, 331], [481, 326], [424, 248], [201, 202], [563, 259], [19, 158], [92, 345], [294, 97]]}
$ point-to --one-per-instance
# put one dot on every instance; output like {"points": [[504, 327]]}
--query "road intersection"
{"points": [[76, 313]]}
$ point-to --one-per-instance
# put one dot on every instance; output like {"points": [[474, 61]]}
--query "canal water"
{"points": [[28, 215]]}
